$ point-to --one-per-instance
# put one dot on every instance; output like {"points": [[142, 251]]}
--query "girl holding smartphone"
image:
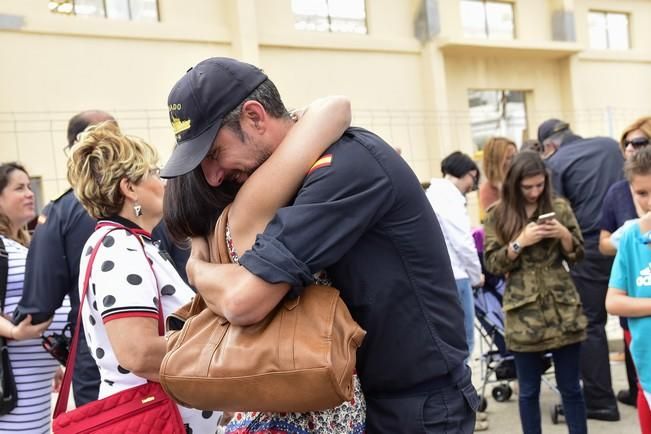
{"points": [[541, 304]]}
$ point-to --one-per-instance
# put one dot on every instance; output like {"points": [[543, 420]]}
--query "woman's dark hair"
{"points": [[510, 214], [458, 165], [191, 206], [6, 169]]}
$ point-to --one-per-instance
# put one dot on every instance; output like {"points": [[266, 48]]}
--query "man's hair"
{"points": [[559, 136], [101, 158], [267, 95], [79, 122], [639, 164]]}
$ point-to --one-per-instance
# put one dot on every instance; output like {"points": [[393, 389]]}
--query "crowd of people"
{"points": [[555, 215], [128, 245]]}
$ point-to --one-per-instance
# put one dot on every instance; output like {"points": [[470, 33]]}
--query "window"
{"points": [[608, 30], [487, 19], [134, 10], [497, 113], [330, 15]]}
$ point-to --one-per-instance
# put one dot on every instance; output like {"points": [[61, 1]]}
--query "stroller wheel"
{"points": [[502, 393], [482, 404]]}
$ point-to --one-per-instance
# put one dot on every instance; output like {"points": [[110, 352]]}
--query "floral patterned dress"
{"points": [[347, 418]]}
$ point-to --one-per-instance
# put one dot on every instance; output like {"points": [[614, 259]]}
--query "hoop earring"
{"points": [[137, 209]]}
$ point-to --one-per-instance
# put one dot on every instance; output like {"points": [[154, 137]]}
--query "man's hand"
{"points": [[200, 253]]}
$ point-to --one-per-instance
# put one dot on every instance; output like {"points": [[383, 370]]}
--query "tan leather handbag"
{"points": [[299, 358]]}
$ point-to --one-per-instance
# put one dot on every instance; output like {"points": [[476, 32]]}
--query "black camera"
{"points": [[58, 344]]}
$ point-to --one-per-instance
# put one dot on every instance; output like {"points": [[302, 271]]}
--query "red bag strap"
{"points": [[64, 391]]}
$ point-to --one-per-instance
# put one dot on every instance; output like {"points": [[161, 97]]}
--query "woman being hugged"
{"points": [[541, 304], [321, 124], [117, 181], [33, 368]]}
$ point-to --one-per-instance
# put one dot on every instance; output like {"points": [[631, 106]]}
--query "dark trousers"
{"points": [[595, 365], [446, 409], [530, 367], [85, 379]]}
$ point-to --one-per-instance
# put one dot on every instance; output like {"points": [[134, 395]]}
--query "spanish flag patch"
{"points": [[324, 161]]}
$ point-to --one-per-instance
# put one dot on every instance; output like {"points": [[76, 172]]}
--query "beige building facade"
{"points": [[430, 76]]}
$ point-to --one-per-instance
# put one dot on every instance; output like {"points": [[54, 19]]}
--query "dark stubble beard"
{"points": [[261, 155]]}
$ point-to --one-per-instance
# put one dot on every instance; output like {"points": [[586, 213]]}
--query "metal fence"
{"points": [[37, 138]]}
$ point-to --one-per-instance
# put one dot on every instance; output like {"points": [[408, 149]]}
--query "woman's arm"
{"points": [[605, 245], [618, 302], [22, 330], [321, 124], [137, 345]]}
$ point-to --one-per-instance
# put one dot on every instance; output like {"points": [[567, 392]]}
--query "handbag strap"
{"points": [[4, 274], [220, 256], [64, 391]]}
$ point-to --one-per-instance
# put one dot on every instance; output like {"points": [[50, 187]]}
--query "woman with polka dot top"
{"points": [[116, 180]]}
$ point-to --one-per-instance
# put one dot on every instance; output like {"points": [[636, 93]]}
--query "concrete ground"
{"points": [[504, 418]]}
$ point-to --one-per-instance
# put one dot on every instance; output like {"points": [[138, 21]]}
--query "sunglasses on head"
{"points": [[637, 143]]}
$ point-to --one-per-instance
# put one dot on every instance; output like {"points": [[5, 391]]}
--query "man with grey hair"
{"points": [[582, 171]]}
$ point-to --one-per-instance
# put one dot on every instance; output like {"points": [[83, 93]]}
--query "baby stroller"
{"points": [[496, 363]]}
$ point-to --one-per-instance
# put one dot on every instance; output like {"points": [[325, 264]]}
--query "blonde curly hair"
{"points": [[101, 158]]}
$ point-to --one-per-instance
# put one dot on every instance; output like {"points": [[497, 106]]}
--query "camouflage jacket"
{"points": [[542, 307]]}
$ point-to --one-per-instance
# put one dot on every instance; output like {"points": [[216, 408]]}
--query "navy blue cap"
{"points": [[198, 103], [551, 127]]}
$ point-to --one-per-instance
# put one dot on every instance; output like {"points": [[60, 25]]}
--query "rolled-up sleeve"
{"points": [[335, 206]]}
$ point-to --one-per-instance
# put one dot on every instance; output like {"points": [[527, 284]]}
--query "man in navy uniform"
{"points": [[52, 268], [583, 169], [360, 214]]}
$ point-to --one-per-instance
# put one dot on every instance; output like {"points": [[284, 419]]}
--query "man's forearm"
{"points": [[233, 292]]}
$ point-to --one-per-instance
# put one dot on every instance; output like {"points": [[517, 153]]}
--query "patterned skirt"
{"points": [[348, 418]]}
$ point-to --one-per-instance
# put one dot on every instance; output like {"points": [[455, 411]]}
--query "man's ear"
{"points": [[127, 189], [254, 115]]}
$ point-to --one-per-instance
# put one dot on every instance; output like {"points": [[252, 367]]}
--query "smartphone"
{"points": [[542, 218]]}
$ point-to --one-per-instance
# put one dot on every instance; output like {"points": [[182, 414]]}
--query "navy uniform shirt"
{"points": [[582, 171], [52, 271], [361, 214]]}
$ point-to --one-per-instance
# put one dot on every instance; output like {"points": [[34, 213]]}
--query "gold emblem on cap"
{"points": [[179, 126]]}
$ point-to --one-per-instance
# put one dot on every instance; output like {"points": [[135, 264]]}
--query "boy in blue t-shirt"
{"points": [[629, 290]]}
